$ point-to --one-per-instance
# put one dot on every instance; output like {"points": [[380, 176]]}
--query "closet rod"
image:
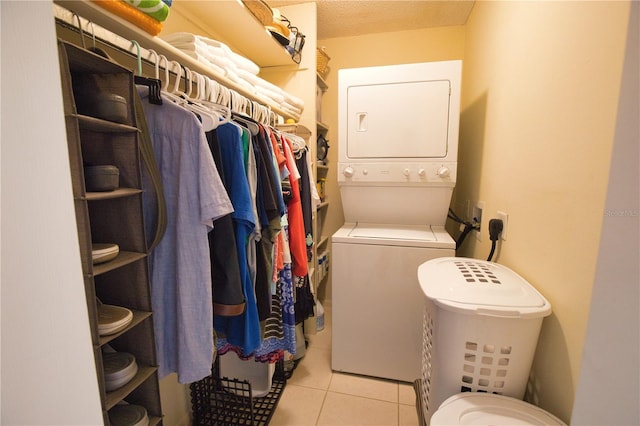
{"points": [[92, 27]]}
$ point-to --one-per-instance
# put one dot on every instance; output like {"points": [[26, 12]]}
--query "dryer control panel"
{"points": [[431, 174]]}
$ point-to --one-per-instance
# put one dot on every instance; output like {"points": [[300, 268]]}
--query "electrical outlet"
{"points": [[477, 217], [504, 217]]}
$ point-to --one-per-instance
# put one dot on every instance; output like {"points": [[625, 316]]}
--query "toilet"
{"points": [[475, 408]]}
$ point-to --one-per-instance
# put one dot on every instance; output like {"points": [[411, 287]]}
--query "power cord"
{"points": [[495, 229], [468, 227]]}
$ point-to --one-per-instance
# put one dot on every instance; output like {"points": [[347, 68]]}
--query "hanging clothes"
{"points": [[280, 327], [269, 212], [295, 220], [180, 266], [306, 200], [305, 302], [243, 330], [228, 294], [255, 236]]}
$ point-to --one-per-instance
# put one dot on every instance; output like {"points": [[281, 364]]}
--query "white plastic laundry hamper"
{"points": [[258, 374], [480, 330]]}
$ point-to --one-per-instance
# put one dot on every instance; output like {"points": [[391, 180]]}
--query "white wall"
{"points": [[48, 370], [540, 93], [608, 390]]}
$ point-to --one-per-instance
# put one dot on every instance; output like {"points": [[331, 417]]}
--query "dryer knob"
{"points": [[443, 172], [406, 172], [348, 171], [422, 172]]}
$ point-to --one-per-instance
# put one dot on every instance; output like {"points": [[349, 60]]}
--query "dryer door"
{"points": [[398, 120]]}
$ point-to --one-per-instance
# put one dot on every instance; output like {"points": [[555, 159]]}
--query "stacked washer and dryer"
{"points": [[397, 166]]}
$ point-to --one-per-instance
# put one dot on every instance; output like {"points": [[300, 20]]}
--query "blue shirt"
{"points": [[243, 330]]}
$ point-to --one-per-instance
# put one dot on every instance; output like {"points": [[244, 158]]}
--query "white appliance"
{"points": [[397, 166]]}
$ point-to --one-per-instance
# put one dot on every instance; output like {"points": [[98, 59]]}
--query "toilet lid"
{"points": [[473, 408]]}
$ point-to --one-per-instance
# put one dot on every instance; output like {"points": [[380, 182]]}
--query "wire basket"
{"points": [[222, 401], [322, 62]]}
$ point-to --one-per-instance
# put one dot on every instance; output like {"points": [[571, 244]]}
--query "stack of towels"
{"points": [[145, 14], [221, 59]]}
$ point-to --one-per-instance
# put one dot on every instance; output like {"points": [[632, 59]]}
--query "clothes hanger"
{"points": [[297, 143], [273, 118], [165, 85], [239, 107], [93, 48], [208, 118], [75, 15], [228, 99], [176, 84], [152, 83], [170, 95], [204, 96], [246, 122], [256, 112], [264, 114]]}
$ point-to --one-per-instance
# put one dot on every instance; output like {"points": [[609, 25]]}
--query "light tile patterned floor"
{"points": [[315, 395]]}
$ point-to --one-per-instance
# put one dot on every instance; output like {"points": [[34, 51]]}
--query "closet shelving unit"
{"points": [[322, 169], [111, 217], [227, 21]]}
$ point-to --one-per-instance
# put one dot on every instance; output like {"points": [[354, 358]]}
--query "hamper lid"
{"points": [[477, 286], [473, 408]]}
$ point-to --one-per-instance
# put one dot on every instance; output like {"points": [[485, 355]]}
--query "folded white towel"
{"points": [[276, 97], [215, 56], [293, 100], [267, 85], [245, 64], [180, 37], [182, 40], [250, 77], [262, 86], [205, 61], [290, 108]]}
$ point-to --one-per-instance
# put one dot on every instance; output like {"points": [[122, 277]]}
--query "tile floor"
{"points": [[315, 395]]}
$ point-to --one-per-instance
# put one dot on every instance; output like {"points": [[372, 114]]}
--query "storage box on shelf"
{"points": [[111, 217]]}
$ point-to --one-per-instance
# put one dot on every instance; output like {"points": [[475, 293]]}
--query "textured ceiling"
{"points": [[343, 18]]}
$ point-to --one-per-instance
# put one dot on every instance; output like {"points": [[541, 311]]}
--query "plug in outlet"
{"points": [[477, 218], [504, 217]]}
